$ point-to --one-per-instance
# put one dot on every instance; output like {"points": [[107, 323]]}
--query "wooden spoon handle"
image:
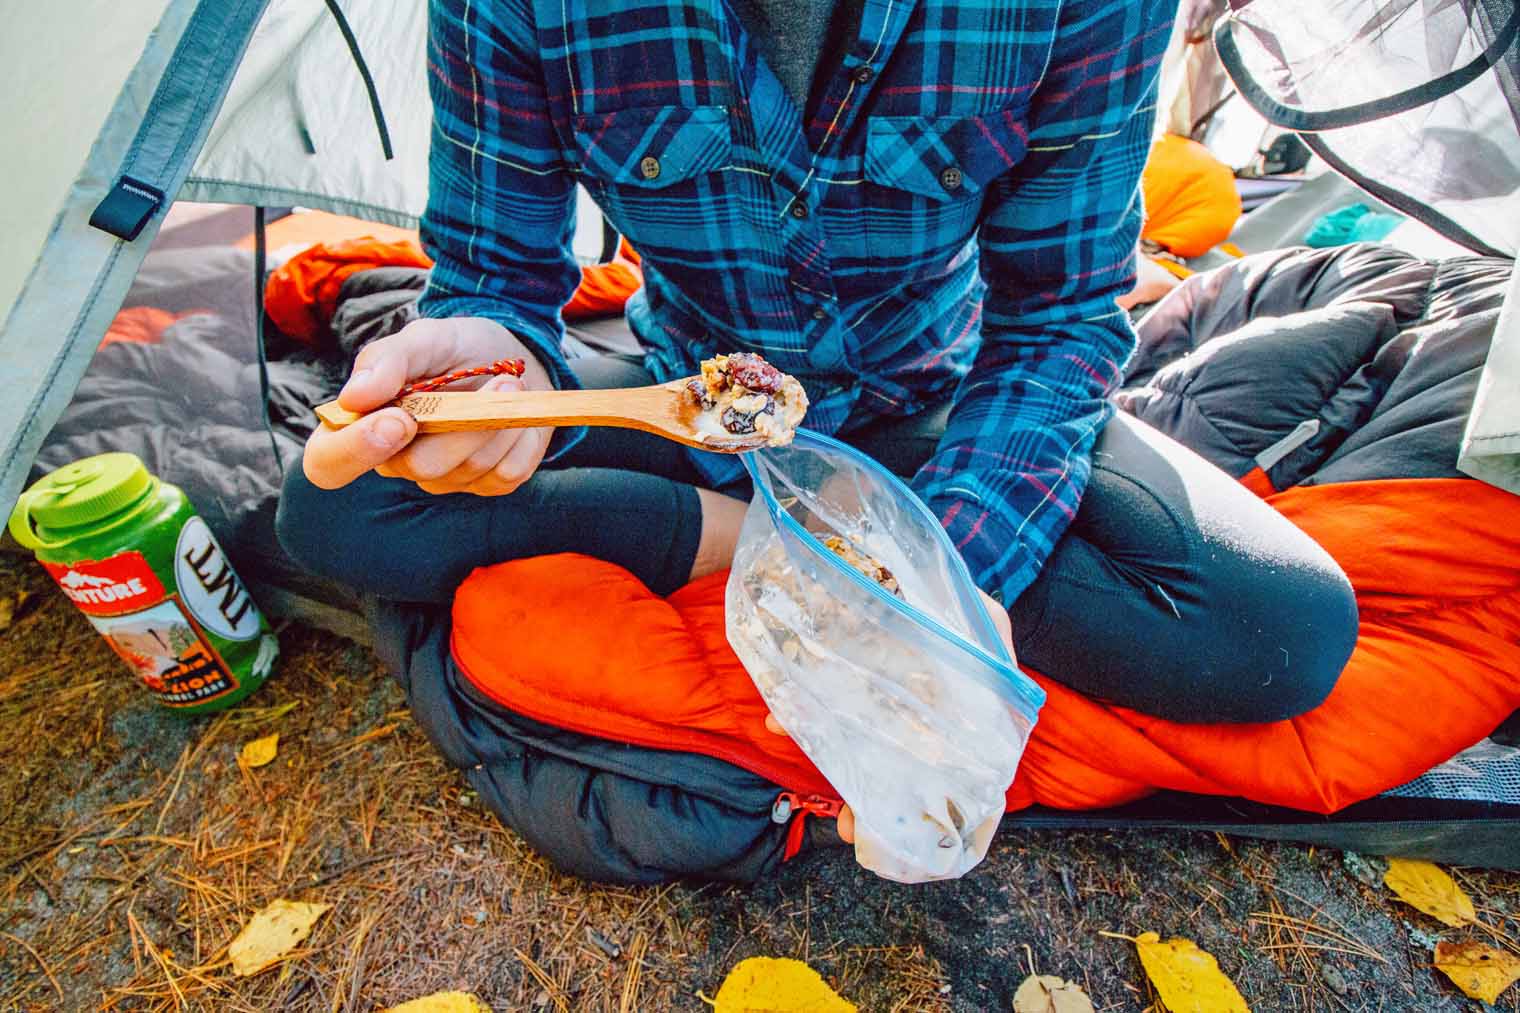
{"points": [[454, 411]]}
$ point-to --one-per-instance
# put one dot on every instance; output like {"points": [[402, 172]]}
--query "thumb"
{"points": [[383, 367], [335, 457]]}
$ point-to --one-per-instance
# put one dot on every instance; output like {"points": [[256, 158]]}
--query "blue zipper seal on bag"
{"points": [[1027, 689]]}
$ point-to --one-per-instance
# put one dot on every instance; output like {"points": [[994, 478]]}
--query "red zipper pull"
{"points": [[789, 804]]}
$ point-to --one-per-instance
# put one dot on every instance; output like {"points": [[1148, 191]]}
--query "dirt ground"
{"points": [[133, 847]]}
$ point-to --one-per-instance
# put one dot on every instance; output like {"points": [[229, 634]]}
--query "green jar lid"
{"points": [[86, 491]]}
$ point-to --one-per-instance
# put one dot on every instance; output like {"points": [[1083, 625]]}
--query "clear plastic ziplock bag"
{"points": [[904, 698]]}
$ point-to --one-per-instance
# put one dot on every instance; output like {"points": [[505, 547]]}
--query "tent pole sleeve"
{"points": [[174, 124]]}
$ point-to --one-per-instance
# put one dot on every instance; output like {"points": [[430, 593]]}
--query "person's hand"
{"points": [[1000, 620], [484, 463], [846, 823]]}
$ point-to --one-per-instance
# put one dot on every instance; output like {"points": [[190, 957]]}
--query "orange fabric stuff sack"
{"points": [[1432, 673], [605, 288], [1191, 203], [302, 294]]}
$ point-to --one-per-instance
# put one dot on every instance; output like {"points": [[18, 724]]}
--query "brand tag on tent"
{"points": [[127, 208]]}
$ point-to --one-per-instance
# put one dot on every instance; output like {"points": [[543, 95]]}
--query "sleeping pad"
{"points": [[618, 733]]}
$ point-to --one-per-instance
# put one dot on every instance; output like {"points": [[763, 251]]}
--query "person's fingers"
{"points": [[422, 348], [443, 459], [335, 457], [773, 726], [434, 457], [1000, 619], [523, 459], [484, 461]]}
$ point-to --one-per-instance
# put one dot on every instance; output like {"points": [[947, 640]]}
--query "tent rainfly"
{"points": [[295, 102]]}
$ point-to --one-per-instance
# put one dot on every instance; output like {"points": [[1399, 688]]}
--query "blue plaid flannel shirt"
{"points": [[950, 218]]}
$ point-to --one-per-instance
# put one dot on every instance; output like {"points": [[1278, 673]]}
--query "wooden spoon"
{"points": [[665, 410]]}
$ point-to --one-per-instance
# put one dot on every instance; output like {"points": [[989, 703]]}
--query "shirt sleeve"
{"points": [[501, 198], [1058, 245]]}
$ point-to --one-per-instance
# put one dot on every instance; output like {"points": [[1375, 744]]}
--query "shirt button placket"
{"points": [[649, 167]]}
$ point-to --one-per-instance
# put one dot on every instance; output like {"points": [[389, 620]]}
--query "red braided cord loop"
{"points": [[501, 367]]}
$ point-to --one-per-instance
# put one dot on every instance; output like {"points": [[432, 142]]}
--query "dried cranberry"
{"points": [[752, 372], [698, 391]]}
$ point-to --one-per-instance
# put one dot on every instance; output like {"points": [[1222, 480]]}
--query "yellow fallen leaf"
{"points": [[1427, 887], [1046, 993], [777, 985], [10, 607], [271, 934], [442, 1002], [1187, 979], [257, 752], [1480, 971]]}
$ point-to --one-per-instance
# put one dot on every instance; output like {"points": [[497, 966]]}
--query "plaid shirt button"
{"points": [[799, 209], [820, 313], [950, 178], [649, 167], [862, 75]]}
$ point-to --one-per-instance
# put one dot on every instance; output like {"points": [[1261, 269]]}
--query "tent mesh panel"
{"points": [[1487, 772]]}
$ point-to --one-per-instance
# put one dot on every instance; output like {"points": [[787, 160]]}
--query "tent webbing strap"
{"points": [[192, 87]]}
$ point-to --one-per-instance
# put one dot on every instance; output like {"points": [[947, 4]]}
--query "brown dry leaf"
{"points": [[1480, 971], [442, 1002], [10, 607], [271, 934], [1428, 888], [257, 752], [777, 985], [1046, 993], [1187, 979]]}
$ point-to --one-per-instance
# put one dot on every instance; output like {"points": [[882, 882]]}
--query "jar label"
{"points": [[110, 587], [209, 587], [150, 629]]}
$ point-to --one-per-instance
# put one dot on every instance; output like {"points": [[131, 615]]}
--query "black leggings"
{"points": [[1175, 591]]}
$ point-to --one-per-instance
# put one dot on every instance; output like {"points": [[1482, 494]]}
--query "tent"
{"points": [[311, 103], [271, 103]]}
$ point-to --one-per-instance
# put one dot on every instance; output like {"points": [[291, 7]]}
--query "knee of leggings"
{"points": [[1300, 653], [305, 526]]}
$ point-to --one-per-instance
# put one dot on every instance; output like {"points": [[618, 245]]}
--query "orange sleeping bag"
{"points": [[1434, 671], [302, 294]]}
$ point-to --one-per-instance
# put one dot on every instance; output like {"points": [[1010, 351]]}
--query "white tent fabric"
{"points": [[1491, 443], [76, 106], [1417, 101], [220, 101], [297, 127]]}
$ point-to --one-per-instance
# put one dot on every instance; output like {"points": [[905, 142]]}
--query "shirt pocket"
{"points": [[926, 179], [656, 171]]}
